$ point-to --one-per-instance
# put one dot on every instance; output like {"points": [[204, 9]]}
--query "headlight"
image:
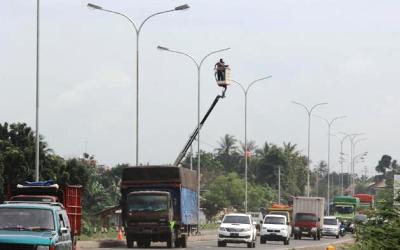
{"points": [[264, 228], [222, 229], [314, 229], [247, 229], [296, 228], [43, 248]]}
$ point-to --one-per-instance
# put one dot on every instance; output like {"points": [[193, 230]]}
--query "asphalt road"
{"points": [[308, 244]]}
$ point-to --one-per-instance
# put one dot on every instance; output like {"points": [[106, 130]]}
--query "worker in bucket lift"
{"points": [[220, 70]]}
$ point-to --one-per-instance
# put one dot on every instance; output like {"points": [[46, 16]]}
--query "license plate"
{"points": [[273, 233], [235, 234]]}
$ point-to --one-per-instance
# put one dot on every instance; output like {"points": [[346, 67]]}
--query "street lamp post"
{"points": [[309, 111], [354, 143], [245, 92], [37, 137], [329, 123], [198, 66], [137, 29], [352, 138], [342, 160]]}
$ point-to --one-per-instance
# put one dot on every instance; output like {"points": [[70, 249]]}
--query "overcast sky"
{"points": [[345, 53]]}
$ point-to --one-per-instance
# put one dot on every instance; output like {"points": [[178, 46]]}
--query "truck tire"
{"points": [[262, 240], [315, 237], [129, 241], [183, 241], [250, 245]]}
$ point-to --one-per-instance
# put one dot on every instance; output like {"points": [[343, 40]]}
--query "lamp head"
{"points": [[94, 6], [162, 48], [182, 7]]}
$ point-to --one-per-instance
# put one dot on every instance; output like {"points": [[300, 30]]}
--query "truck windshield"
{"points": [[26, 219], [234, 219], [274, 220], [306, 217], [330, 222], [147, 202], [344, 209]]}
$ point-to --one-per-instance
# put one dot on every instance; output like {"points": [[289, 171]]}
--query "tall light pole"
{"points": [[342, 159], [329, 123], [137, 29], [309, 111], [37, 137], [245, 92], [354, 143], [198, 66], [352, 138]]}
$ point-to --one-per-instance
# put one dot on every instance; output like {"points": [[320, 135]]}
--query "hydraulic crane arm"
{"points": [[197, 129]]}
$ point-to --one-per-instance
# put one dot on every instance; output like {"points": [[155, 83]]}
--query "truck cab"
{"points": [[152, 215], [34, 227], [344, 208], [307, 224]]}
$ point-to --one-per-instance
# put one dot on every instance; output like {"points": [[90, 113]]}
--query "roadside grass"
{"points": [[111, 234]]}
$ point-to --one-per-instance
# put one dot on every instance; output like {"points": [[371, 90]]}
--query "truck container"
{"points": [[366, 201], [159, 204], [308, 213]]}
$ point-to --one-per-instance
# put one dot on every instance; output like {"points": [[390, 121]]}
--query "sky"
{"points": [[344, 53]]}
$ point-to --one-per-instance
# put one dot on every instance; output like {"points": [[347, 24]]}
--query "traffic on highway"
{"points": [[199, 125]]}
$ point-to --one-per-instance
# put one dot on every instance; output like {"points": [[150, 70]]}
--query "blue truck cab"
{"points": [[26, 226]]}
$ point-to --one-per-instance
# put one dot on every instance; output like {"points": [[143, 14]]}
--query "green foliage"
{"points": [[228, 191], [384, 164], [382, 230]]}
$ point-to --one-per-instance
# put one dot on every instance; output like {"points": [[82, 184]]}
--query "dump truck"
{"points": [[308, 213], [366, 201], [344, 208], [159, 204]]}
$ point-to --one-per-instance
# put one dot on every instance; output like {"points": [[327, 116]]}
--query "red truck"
{"points": [[70, 196], [308, 214], [366, 201]]}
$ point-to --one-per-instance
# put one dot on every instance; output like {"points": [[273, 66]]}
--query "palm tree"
{"points": [[227, 145]]}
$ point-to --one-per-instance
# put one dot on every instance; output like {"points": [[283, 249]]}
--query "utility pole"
{"points": [[279, 184]]}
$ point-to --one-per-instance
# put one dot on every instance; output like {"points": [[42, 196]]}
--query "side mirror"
{"points": [[218, 222], [64, 230], [319, 219], [254, 223], [287, 223]]}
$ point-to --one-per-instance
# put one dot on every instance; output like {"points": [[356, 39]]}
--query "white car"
{"points": [[331, 227], [237, 228], [275, 228]]}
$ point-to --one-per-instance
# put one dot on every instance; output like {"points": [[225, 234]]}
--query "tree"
{"points": [[384, 164], [227, 154]]}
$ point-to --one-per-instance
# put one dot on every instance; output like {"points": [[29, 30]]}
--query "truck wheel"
{"points": [[129, 241], [315, 237], [250, 245], [183, 241], [147, 244], [262, 240]]}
